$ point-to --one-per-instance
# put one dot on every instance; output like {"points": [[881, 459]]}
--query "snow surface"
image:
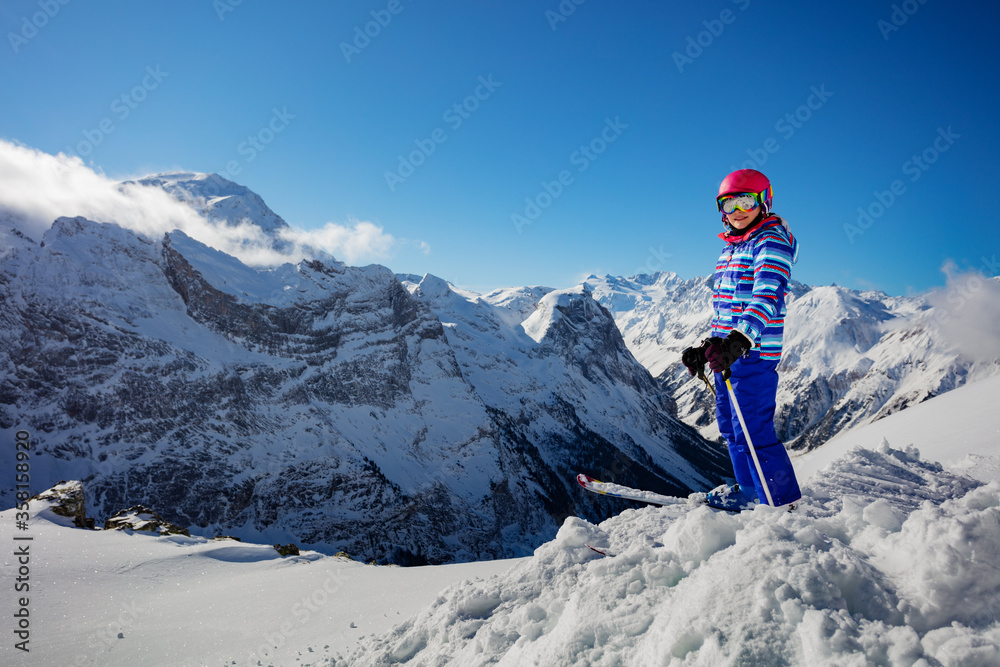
{"points": [[122, 598], [958, 428], [891, 559]]}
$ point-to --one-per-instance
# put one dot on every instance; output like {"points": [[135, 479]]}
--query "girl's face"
{"points": [[739, 219]]}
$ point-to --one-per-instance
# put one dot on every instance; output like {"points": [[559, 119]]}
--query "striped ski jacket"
{"points": [[750, 285]]}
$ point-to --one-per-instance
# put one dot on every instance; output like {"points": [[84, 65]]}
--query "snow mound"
{"points": [[889, 560]]}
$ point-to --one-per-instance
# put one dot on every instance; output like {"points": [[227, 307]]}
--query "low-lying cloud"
{"points": [[37, 188], [967, 311]]}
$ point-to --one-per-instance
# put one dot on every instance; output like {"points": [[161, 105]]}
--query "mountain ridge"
{"points": [[319, 403]]}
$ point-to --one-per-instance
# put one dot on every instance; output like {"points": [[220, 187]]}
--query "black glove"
{"points": [[721, 353], [694, 359]]}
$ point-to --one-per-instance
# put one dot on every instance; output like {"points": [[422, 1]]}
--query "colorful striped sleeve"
{"points": [[772, 267]]}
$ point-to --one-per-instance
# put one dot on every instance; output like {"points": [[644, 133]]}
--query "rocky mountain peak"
{"points": [[217, 198]]}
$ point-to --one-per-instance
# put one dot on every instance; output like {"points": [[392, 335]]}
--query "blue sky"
{"points": [[639, 109]]}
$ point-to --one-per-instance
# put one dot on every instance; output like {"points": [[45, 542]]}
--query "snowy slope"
{"points": [[947, 428], [115, 598], [862, 580], [890, 560]]}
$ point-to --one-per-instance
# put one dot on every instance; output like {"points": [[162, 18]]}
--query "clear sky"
{"points": [[617, 119]]}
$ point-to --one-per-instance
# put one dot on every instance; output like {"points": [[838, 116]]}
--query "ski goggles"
{"points": [[744, 201]]}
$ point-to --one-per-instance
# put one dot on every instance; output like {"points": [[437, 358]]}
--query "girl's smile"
{"points": [[739, 219]]}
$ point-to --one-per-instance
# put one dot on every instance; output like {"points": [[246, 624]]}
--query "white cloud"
{"points": [[967, 311], [38, 188], [353, 244]]}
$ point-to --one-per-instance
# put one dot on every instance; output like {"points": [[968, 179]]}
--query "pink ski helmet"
{"points": [[748, 180]]}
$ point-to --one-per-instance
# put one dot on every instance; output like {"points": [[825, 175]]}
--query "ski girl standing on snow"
{"points": [[748, 297]]}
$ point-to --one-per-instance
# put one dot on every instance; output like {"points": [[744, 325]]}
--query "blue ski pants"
{"points": [[755, 383]]}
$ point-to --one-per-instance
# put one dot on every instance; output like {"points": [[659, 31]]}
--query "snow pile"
{"points": [[889, 560]]}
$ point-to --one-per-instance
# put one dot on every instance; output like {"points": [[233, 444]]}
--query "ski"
{"points": [[626, 492]]}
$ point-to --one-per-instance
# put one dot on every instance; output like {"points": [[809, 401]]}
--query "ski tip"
{"points": [[603, 552], [584, 480]]}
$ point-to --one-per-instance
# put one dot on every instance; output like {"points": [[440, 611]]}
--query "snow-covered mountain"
{"points": [[891, 559], [217, 198], [328, 405], [850, 357]]}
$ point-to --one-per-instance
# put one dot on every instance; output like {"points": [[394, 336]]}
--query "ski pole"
{"points": [[701, 374], [746, 434]]}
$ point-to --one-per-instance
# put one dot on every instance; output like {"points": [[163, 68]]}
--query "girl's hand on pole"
{"points": [[722, 353]]}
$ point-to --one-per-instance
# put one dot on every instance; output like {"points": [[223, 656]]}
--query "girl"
{"points": [[748, 298]]}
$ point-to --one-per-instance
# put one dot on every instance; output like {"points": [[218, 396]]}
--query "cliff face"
{"points": [[327, 405]]}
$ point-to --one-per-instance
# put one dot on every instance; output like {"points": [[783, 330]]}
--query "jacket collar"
{"points": [[769, 221]]}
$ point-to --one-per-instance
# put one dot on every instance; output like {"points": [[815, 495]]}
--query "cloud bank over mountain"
{"points": [[38, 188]]}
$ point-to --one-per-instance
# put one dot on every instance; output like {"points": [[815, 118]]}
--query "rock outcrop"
{"points": [[66, 499], [142, 518]]}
